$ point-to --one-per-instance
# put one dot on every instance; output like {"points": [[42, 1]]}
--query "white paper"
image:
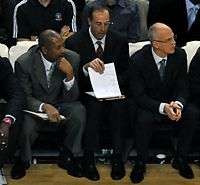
{"points": [[42, 115], [105, 85]]}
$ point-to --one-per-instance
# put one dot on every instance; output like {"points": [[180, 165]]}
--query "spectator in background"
{"points": [[6, 21], [124, 17], [181, 15], [47, 73], [80, 4], [31, 17], [98, 46]]}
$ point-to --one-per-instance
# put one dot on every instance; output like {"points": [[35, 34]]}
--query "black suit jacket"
{"points": [[174, 14], [116, 50], [10, 89], [194, 79], [146, 86]]}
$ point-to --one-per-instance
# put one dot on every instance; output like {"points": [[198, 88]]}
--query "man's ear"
{"points": [[44, 50], [89, 21]]}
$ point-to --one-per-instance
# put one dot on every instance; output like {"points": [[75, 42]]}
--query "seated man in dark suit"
{"points": [[10, 113], [98, 46], [47, 73], [158, 83]]}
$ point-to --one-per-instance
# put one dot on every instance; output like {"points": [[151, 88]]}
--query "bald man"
{"points": [[47, 73], [158, 83]]}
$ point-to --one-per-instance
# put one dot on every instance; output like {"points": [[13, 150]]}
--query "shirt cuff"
{"points": [[68, 84], [10, 116], [179, 104], [161, 108], [40, 107], [85, 72]]}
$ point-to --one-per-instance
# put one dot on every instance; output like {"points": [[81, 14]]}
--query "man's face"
{"points": [[164, 41], [99, 23], [54, 50]]}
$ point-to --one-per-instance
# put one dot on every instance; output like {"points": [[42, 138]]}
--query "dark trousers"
{"points": [[73, 129], [147, 123], [113, 112]]}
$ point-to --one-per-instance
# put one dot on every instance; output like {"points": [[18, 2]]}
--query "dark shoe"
{"points": [[71, 164], [138, 171], [19, 169], [90, 171], [118, 170], [182, 166]]}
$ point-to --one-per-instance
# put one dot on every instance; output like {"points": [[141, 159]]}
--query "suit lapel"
{"points": [[40, 72], [88, 47], [151, 68]]}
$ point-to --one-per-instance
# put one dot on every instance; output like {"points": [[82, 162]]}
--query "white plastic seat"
{"points": [[3, 50], [133, 47], [190, 49], [21, 48]]}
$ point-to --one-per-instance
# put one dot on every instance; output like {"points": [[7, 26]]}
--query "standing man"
{"points": [[181, 15], [47, 74], [10, 113], [158, 83], [98, 46]]}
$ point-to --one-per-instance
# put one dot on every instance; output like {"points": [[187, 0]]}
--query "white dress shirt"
{"points": [[94, 41]]}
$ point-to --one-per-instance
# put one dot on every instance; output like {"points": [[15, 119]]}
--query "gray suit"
{"points": [[31, 73]]}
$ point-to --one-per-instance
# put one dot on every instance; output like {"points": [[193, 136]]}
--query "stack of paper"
{"points": [[105, 85]]}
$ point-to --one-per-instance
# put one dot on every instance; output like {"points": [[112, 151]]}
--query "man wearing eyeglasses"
{"points": [[128, 27], [158, 83], [97, 46], [181, 15]]}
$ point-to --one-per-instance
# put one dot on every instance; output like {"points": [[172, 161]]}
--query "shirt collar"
{"points": [[94, 40], [47, 64], [156, 57]]}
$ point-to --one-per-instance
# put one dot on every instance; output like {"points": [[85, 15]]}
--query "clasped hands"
{"points": [[173, 111]]}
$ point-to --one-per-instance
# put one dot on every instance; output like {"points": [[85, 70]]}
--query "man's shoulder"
{"points": [[27, 57]]}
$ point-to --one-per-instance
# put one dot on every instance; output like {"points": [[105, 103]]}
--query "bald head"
{"points": [[47, 37], [157, 30]]}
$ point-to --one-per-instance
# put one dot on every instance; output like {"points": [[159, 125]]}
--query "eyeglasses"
{"points": [[169, 40]]}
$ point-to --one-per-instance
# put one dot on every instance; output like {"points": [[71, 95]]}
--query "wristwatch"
{"points": [[7, 120]]}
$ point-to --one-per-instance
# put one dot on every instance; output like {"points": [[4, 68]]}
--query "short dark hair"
{"points": [[45, 38], [96, 7]]}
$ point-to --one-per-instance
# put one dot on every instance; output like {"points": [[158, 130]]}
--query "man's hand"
{"points": [[65, 32], [65, 67], [173, 111], [52, 113], [96, 64], [177, 110]]}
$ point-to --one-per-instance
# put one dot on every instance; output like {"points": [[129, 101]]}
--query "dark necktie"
{"points": [[53, 65], [99, 51], [162, 69]]}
